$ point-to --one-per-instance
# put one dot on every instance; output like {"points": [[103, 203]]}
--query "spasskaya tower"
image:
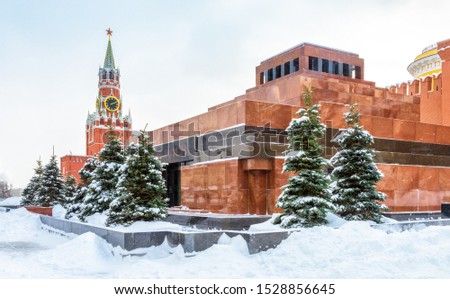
{"points": [[108, 112], [108, 115]]}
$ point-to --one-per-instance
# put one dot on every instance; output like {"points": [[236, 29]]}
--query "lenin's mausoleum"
{"points": [[229, 159]]}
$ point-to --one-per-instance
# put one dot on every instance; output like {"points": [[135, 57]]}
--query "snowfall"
{"points": [[347, 250]]}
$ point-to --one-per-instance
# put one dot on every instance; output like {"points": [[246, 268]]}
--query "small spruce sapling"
{"points": [[52, 187], [354, 190], [306, 198], [32, 190]]}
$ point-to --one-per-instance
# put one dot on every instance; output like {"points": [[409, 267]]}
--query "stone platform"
{"points": [[202, 231], [216, 221], [411, 225], [415, 216], [191, 241]]}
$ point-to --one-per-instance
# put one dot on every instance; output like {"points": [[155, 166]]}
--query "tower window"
{"points": [[325, 63], [335, 67], [313, 63], [296, 64], [346, 70], [104, 75], [269, 75], [111, 75], [287, 69], [278, 71]]}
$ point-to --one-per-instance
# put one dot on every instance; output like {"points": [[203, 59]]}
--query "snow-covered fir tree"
{"points": [[354, 191], [101, 191], [52, 185], [141, 188], [86, 175], [31, 192], [70, 189], [306, 198]]}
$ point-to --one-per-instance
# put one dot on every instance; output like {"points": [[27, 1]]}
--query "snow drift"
{"points": [[355, 250]]}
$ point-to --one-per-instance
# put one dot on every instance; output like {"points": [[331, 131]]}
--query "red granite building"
{"points": [[229, 159]]}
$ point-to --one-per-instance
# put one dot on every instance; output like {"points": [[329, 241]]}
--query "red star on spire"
{"points": [[109, 32]]}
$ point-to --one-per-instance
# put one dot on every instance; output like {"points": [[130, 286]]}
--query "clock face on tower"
{"points": [[112, 103]]}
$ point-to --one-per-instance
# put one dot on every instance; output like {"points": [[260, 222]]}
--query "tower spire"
{"points": [[109, 57]]}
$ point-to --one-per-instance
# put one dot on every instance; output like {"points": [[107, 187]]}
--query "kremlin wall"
{"points": [[229, 159]]}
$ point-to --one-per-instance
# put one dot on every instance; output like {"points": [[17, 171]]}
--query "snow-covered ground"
{"points": [[355, 250], [12, 201]]}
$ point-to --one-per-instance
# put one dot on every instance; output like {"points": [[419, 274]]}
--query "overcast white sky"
{"points": [[177, 58]]}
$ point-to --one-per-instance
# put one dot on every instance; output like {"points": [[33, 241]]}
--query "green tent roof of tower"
{"points": [[109, 57]]}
